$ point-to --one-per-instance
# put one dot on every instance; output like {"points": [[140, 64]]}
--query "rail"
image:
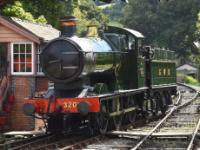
{"points": [[194, 136], [173, 109], [24, 143]]}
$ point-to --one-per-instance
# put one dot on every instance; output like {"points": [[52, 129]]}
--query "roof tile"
{"points": [[43, 31]]}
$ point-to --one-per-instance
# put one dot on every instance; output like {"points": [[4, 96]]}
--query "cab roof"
{"points": [[120, 30]]}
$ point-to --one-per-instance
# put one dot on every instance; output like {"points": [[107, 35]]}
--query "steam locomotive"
{"points": [[102, 80]]}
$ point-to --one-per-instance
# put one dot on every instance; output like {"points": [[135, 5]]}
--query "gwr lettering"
{"points": [[164, 72]]}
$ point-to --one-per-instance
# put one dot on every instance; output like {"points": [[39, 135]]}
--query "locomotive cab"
{"points": [[131, 69]]}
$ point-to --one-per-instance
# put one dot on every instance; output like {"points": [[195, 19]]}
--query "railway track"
{"points": [[179, 125], [159, 134], [46, 141], [13, 143]]}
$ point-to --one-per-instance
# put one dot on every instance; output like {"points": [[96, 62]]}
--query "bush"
{"points": [[190, 80]]}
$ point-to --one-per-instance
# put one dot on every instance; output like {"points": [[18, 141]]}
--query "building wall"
{"points": [[41, 83], [8, 35], [23, 87]]}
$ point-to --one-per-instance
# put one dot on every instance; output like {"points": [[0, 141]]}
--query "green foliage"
{"points": [[87, 11], [194, 58], [198, 22], [114, 11], [198, 28], [41, 19], [53, 10], [17, 10], [190, 80], [170, 24]]}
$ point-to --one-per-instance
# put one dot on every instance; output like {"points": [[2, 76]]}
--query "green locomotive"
{"points": [[104, 79]]}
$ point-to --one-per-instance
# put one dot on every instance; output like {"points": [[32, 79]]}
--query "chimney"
{"points": [[68, 26]]}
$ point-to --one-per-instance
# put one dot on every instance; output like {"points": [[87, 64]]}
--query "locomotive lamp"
{"points": [[29, 109], [83, 107]]}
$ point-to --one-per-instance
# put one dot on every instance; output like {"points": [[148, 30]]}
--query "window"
{"points": [[131, 43], [22, 58]]}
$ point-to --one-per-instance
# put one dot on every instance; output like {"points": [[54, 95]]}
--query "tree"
{"points": [[198, 27], [5, 2], [196, 58], [17, 10], [53, 10], [112, 10], [170, 24], [87, 11]]}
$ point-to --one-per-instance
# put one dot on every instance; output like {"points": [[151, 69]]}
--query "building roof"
{"points": [[187, 68], [33, 31], [43, 31]]}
